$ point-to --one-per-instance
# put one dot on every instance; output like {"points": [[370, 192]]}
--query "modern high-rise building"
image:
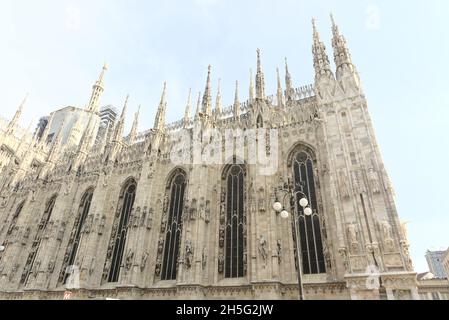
{"points": [[238, 202]]}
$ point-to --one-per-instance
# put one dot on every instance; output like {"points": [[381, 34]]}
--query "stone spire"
{"points": [[134, 128], [280, 93], [97, 90], [118, 133], [218, 103], [207, 97], [320, 57], [236, 102], [342, 56], [290, 91], [198, 107], [251, 87], [159, 122], [260, 79], [188, 109], [15, 120]]}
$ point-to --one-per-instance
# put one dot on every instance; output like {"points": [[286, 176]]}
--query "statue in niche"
{"points": [[221, 236], [143, 261], [404, 231], [374, 180], [92, 265], [204, 258], [61, 232], [158, 268], [220, 263], [279, 251], [101, 225], [386, 229], [36, 268], [353, 237], [263, 248], [88, 224], [51, 266], [193, 210], [149, 222], [136, 218], [160, 246], [129, 259], [344, 186], [327, 256], [188, 259]]}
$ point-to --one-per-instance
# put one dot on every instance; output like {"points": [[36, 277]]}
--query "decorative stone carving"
{"points": [[387, 235], [327, 256], [263, 248]]}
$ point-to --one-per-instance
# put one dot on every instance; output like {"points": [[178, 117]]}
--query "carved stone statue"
{"points": [[374, 180], [263, 248], [404, 231], [51, 266], [188, 259], [386, 229], [61, 232], [129, 259], [149, 222], [220, 263], [279, 251], [352, 237], [158, 268], [101, 225], [204, 258], [343, 184], [143, 261]]}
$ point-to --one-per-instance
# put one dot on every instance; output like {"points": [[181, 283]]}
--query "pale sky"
{"points": [[54, 49]]}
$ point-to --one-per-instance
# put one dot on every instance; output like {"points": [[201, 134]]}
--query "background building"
{"points": [[435, 262]]}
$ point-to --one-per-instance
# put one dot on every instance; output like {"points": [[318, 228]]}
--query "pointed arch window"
{"points": [[38, 240], [259, 121], [119, 232], [176, 191], [75, 236], [309, 227], [233, 235]]}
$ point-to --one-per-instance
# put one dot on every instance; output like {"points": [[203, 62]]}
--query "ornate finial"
{"points": [[188, 107], [260, 79], [207, 98], [198, 106], [280, 94], [251, 86], [236, 101]]}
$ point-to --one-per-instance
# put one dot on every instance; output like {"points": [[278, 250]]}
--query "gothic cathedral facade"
{"points": [[116, 217]]}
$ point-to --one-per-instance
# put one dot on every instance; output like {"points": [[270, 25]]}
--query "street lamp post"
{"points": [[293, 191]]}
